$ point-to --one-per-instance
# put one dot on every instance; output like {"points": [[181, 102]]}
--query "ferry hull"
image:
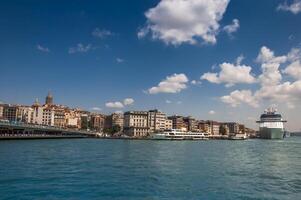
{"points": [[164, 137], [271, 133]]}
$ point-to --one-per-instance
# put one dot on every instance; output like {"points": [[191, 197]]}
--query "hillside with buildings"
{"points": [[136, 124]]}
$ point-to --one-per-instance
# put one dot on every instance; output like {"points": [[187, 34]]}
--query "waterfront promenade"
{"points": [[16, 130]]}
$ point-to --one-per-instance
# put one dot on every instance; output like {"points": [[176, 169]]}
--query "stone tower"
{"points": [[49, 99]]}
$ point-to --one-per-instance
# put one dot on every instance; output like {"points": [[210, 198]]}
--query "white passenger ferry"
{"points": [[176, 134]]}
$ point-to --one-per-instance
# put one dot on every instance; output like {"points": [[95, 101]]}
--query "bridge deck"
{"points": [[9, 130]]}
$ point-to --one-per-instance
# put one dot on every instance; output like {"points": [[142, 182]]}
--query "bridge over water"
{"points": [[15, 130]]}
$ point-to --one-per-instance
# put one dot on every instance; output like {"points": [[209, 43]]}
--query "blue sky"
{"points": [[88, 53]]}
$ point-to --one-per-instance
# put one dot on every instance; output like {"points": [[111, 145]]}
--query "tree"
{"points": [[116, 129], [111, 131]]}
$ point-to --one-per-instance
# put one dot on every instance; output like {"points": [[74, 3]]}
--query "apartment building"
{"points": [[97, 122], [1, 111], [233, 127], [191, 123], [136, 123], [178, 122], [215, 127], [48, 116], [117, 120], [203, 126], [156, 120], [168, 124]]}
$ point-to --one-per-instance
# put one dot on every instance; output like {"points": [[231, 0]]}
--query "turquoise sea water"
{"points": [[123, 169]]}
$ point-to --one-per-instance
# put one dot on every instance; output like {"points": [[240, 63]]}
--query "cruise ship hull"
{"points": [[271, 133]]}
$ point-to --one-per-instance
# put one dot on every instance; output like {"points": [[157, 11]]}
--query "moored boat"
{"points": [[271, 125], [176, 134]]}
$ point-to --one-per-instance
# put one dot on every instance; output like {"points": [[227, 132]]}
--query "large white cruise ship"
{"points": [[271, 124], [177, 134]]}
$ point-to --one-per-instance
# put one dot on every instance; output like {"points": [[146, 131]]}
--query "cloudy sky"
{"points": [[212, 59]]}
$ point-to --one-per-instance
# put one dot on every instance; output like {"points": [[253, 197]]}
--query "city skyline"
{"points": [[112, 56]]}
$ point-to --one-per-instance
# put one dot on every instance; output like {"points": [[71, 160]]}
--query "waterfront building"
{"points": [[48, 116], [1, 111], [136, 123], [214, 127], [156, 120], [97, 122], [59, 117], [178, 122], [107, 122], [37, 113], [250, 132], [85, 119], [118, 120], [242, 129], [191, 123], [25, 114], [72, 117], [10, 112], [132, 123], [168, 124], [233, 127], [224, 130], [204, 126]]}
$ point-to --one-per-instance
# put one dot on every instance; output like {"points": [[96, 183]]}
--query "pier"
{"points": [[15, 130]]}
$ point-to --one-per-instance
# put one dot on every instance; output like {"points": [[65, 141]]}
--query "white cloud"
{"points": [[288, 93], [211, 112], [142, 32], [195, 82], [294, 7], [115, 104], [128, 101], [184, 21], [294, 55], [168, 101], [119, 104], [239, 59], [230, 74], [294, 70], [270, 66], [119, 60], [172, 84], [80, 48], [96, 109], [43, 49], [101, 33], [267, 56], [231, 28], [272, 88], [240, 96]]}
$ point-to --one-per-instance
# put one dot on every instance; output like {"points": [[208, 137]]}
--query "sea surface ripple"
{"points": [[134, 169]]}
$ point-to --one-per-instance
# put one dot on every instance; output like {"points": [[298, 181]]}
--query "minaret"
{"points": [[49, 99], [36, 102]]}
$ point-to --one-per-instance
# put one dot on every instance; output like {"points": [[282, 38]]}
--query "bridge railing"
{"points": [[38, 126]]}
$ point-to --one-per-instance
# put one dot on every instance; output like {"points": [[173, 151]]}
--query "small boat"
{"points": [[239, 137], [177, 134]]}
